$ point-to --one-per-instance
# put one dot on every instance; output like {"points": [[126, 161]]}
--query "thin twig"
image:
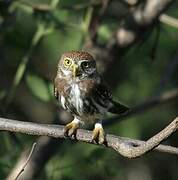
{"points": [[127, 147], [171, 21], [26, 162]]}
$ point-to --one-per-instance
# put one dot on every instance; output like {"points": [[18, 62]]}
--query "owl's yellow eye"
{"points": [[67, 62]]}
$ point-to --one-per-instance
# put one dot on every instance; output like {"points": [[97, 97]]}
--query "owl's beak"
{"points": [[75, 69]]}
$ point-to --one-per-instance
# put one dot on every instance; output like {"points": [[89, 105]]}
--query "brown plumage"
{"points": [[78, 55], [81, 91]]}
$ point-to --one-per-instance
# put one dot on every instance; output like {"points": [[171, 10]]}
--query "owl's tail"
{"points": [[117, 108]]}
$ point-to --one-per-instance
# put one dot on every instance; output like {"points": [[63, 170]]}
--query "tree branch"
{"points": [[171, 21], [127, 147], [142, 16]]}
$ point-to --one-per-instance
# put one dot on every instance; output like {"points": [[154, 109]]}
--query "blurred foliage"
{"points": [[33, 35]]}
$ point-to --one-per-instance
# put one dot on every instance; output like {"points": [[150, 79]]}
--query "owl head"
{"points": [[77, 64]]}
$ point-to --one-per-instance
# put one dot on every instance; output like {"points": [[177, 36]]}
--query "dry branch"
{"points": [[127, 147]]}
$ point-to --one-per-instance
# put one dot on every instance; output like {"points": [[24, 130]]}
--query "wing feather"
{"points": [[103, 97]]}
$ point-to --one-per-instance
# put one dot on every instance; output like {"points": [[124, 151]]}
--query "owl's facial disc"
{"points": [[78, 67]]}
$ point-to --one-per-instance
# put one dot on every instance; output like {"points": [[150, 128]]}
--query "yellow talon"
{"points": [[98, 135], [70, 129]]}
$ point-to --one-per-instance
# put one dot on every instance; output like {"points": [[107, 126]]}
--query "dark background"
{"points": [[138, 66]]}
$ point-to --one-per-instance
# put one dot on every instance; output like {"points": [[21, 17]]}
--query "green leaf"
{"points": [[38, 87]]}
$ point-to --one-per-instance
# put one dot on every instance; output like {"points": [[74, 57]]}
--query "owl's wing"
{"points": [[118, 108], [103, 97]]}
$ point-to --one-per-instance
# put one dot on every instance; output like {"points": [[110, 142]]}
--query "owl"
{"points": [[81, 91]]}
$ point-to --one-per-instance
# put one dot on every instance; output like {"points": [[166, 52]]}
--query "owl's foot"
{"points": [[70, 128], [98, 134]]}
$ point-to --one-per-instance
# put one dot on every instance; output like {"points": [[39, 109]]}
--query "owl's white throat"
{"points": [[76, 99]]}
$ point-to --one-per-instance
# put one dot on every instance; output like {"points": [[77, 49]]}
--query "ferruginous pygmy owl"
{"points": [[81, 91]]}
